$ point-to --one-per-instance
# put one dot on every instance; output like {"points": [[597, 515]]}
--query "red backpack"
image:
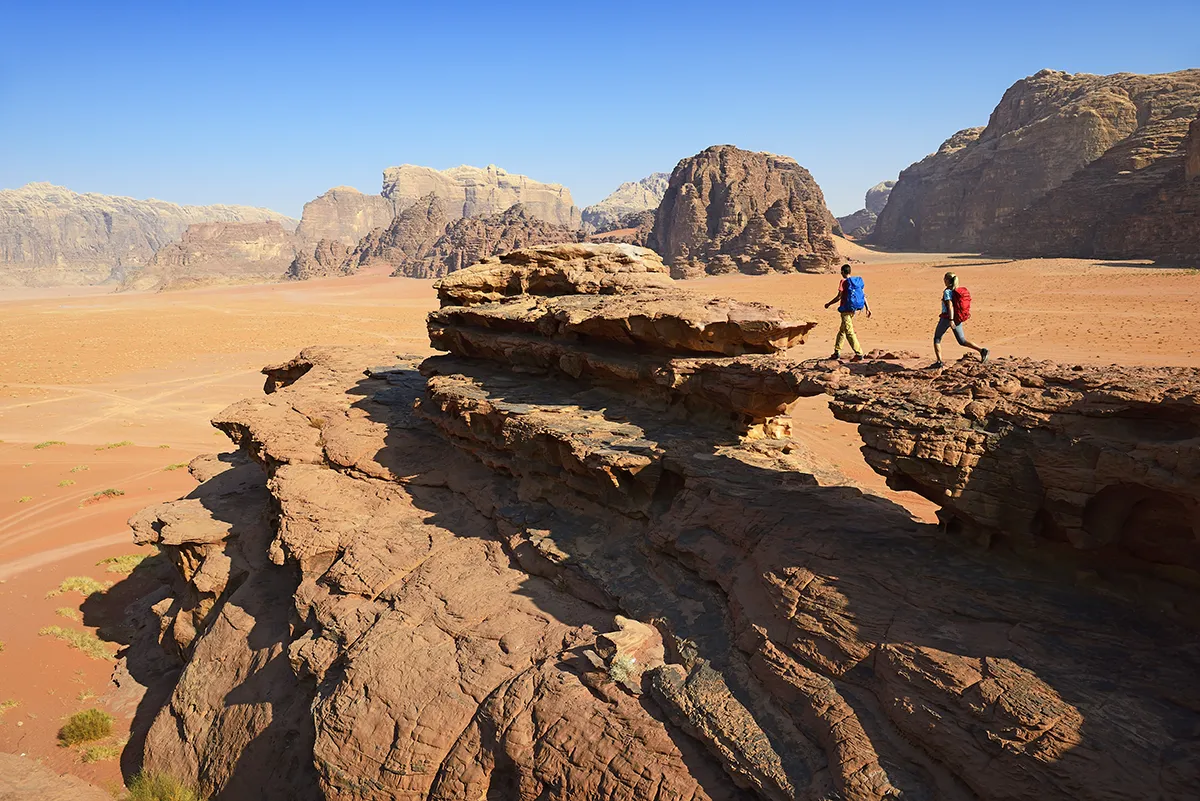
{"points": [[962, 304]]}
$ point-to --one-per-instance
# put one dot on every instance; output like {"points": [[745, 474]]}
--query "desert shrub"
{"points": [[7, 705], [67, 612], [84, 641], [176, 466], [103, 494], [620, 669], [1, 646], [84, 585], [112, 445], [102, 753], [164, 446], [66, 482], [160, 787], [25, 499], [122, 564], [79, 468], [85, 726], [48, 443]]}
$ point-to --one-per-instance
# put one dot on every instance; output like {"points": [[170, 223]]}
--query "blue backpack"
{"points": [[856, 295]]}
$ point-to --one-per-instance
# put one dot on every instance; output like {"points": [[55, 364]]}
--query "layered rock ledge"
{"points": [[487, 575]]}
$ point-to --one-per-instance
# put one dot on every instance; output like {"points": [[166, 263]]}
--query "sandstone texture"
{"points": [[50, 235], [861, 223], [329, 258], [218, 253], [479, 192], [1063, 164], [582, 557], [343, 214], [22, 779], [631, 197], [408, 239], [469, 240], [632, 229], [730, 210]]}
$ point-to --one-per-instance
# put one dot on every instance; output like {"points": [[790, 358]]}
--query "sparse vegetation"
{"points": [[66, 482], [620, 669], [103, 495], [85, 727], [112, 445], [7, 705], [25, 499], [84, 641], [102, 753], [164, 446], [84, 585], [48, 443], [176, 466], [79, 468], [1, 646], [122, 564], [160, 787], [67, 612]]}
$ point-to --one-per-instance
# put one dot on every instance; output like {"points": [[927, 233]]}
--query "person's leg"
{"points": [[942, 327], [841, 337], [961, 336], [848, 326]]}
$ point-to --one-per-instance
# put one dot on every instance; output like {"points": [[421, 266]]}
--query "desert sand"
{"points": [[89, 369]]}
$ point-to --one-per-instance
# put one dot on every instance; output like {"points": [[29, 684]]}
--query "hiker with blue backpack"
{"points": [[851, 299], [956, 310]]}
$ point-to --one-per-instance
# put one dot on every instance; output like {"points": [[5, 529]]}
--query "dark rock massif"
{"points": [[862, 222], [50, 235], [1064, 165], [329, 258], [581, 557], [730, 210]]}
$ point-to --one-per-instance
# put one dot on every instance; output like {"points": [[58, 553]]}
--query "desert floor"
{"points": [[102, 391]]}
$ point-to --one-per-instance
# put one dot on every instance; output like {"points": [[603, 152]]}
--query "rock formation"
{"points": [[1064, 162], [632, 229], [329, 258], [730, 210], [631, 197], [216, 253], [408, 239], [581, 558], [23, 779], [862, 222], [471, 239], [343, 214], [50, 235], [479, 192]]}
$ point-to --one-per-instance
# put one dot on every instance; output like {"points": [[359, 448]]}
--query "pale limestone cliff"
{"points": [[50, 235], [343, 214]]}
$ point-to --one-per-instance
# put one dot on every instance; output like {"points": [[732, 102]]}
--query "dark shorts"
{"points": [[943, 326]]}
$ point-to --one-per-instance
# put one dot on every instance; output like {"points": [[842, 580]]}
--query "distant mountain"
{"points": [[862, 222], [50, 235], [629, 198], [479, 192]]}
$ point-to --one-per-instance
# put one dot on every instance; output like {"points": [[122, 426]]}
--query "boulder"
{"points": [[50, 235], [727, 209], [1063, 164], [479, 192], [631, 197]]}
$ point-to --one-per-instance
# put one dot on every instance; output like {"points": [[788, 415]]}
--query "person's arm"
{"points": [[867, 307], [836, 298], [949, 299]]}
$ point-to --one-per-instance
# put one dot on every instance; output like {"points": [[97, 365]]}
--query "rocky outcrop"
{"points": [[343, 214], [861, 223], [328, 259], [632, 229], [730, 210], [479, 192], [408, 240], [218, 253], [1063, 163], [554, 564], [469, 240], [630, 198], [50, 235], [23, 779]]}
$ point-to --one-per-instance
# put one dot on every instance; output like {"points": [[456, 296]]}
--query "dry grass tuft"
{"points": [[84, 641], [67, 612], [85, 727], [122, 564], [48, 443], [79, 468], [160, 787], [103, 495], [84, 585], [176, 466], [123, 443]]}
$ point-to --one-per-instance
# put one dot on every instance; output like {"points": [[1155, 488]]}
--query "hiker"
{"points": [[956, 310], [851, 299]]}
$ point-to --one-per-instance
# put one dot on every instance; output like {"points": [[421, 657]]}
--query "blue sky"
{"points": [[271, 104]]}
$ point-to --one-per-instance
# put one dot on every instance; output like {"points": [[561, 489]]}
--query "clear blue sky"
{"points": [[271, 104]]}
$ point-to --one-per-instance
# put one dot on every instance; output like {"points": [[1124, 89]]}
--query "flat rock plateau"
{"points": [[586, 553]]}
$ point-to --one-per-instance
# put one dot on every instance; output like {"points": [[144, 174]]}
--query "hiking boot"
{"points": [[837, 357], [983, 355], [935, 366], [858, 357]]}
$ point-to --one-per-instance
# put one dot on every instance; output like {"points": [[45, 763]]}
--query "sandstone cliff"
{"points": [[633, 229], [1063, 162], [211, 253], [479, 192], [631, 197], [469, 240], [408, 239], [327, 259], [50, 235], [862, 222], [343, 214], [730, 210], [582, 557]]}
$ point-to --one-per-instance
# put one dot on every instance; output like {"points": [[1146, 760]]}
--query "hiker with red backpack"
{"points": [[956, 310], [851, 299]]}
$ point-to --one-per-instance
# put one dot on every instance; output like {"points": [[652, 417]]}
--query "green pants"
{"points": [[846, 334]]}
